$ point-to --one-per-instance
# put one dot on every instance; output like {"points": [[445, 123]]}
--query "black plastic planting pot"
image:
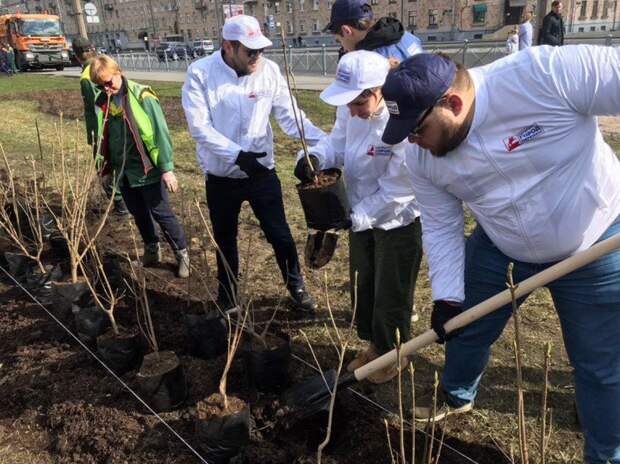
{"points": [[325, 206], [206, 335], [223, 437], [162, 381], [267, 367], [64, 294], [59, 245], [90, 322], [121, 353]]}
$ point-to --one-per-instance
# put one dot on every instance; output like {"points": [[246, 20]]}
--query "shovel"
{"points": [[312, 396]]}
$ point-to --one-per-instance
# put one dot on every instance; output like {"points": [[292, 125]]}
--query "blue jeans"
{"points": [[588, 304]]}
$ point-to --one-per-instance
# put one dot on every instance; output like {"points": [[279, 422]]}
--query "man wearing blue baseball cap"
{"points": [[353, 24], [518, 142]]}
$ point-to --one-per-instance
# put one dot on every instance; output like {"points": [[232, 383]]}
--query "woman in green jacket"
{"points": [[136, 152]]}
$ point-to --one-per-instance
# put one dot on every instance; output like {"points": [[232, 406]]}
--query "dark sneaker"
{"points": [[119, 208], [303, 300], [424, 412]]}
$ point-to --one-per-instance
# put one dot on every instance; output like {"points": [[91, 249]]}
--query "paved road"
{"points": [[304, 82]]}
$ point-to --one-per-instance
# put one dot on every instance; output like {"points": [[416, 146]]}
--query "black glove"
{"points": [[247, 162], [304, 172], [442, 313]]}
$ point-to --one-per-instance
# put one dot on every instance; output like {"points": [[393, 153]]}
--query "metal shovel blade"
{"points": [[313, 395], [320, 247]]}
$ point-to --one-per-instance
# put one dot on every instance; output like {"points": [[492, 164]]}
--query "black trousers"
{"points": [[149, 205], [264, 193]]}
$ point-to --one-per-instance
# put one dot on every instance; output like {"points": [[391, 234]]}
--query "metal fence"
{"points": [[323, 60]]}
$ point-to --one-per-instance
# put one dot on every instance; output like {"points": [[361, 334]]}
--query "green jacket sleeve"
{"points": [[89, 94], [162, 135]]}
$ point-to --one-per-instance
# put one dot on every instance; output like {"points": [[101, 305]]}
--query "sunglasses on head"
{"points": [[105, 85]]}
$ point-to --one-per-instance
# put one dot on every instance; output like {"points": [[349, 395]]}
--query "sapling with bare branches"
{"points": [[523, 448], [105, 296], [21, 212], [72, 180], [340, 342]]}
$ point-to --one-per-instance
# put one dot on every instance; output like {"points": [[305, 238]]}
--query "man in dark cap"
{"points": [[518, 142]]}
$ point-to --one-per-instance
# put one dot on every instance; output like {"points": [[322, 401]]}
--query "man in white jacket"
{"points": [[385, 246], [518, 142], [228, 98]]}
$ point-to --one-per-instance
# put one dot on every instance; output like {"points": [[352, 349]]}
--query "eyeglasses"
{"points": [[105, 85], [417, 132], [254, 52]]}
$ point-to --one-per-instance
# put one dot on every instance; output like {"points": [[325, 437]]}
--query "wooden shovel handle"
{"points": [[482, 309]]}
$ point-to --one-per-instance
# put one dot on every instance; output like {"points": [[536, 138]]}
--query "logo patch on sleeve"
{"points": [[525, 135]]}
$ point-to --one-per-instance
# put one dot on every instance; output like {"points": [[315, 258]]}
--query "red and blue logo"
{"points": [[525, 135]]}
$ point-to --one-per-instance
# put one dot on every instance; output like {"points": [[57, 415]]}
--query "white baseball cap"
{"points": [[246, 30], [356, 72]]}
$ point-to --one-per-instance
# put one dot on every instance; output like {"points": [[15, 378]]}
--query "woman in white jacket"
{"points": [[385, 246]]}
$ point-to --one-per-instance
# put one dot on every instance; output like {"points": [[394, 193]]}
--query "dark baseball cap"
{"points": [[80, 44], [411, 89], [348, 10]]}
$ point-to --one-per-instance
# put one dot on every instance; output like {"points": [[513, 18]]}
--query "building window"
{"points": [[289, 27], [480, 13], [603, 28], [316, 26], [431, 38], [302, 27], [374, 2], [584, 9], [605, 12], [329, 5], [432, 18], [391, 2], [393, 14], [411, 20], [276, 7], [595, 9], [592, 28], [315, 4], [301, 5], [289, 7], [580, 29]]}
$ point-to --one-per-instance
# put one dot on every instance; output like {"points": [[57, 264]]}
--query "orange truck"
{"points": [[37, 39]]}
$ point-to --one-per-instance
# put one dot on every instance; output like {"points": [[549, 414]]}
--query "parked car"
{"points": [[174, 51], [203, 47]]}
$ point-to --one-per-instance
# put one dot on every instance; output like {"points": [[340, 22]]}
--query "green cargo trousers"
{"points": [[387, 264]]}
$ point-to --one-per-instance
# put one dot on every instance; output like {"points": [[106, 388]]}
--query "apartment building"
{"points": [[125, 23]]}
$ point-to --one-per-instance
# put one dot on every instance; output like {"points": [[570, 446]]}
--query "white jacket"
{"points": [[227, 114], [534, 169], [379, 186]]}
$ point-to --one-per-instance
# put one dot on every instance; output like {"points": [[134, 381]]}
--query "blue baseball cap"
{"points": [[348, 10], [411, 89]]}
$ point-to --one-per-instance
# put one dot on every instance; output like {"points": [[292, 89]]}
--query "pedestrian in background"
{"points": [[552, 31], [512, 42], [526, 31], [137, 156], [10, 56], [228, 98]]}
